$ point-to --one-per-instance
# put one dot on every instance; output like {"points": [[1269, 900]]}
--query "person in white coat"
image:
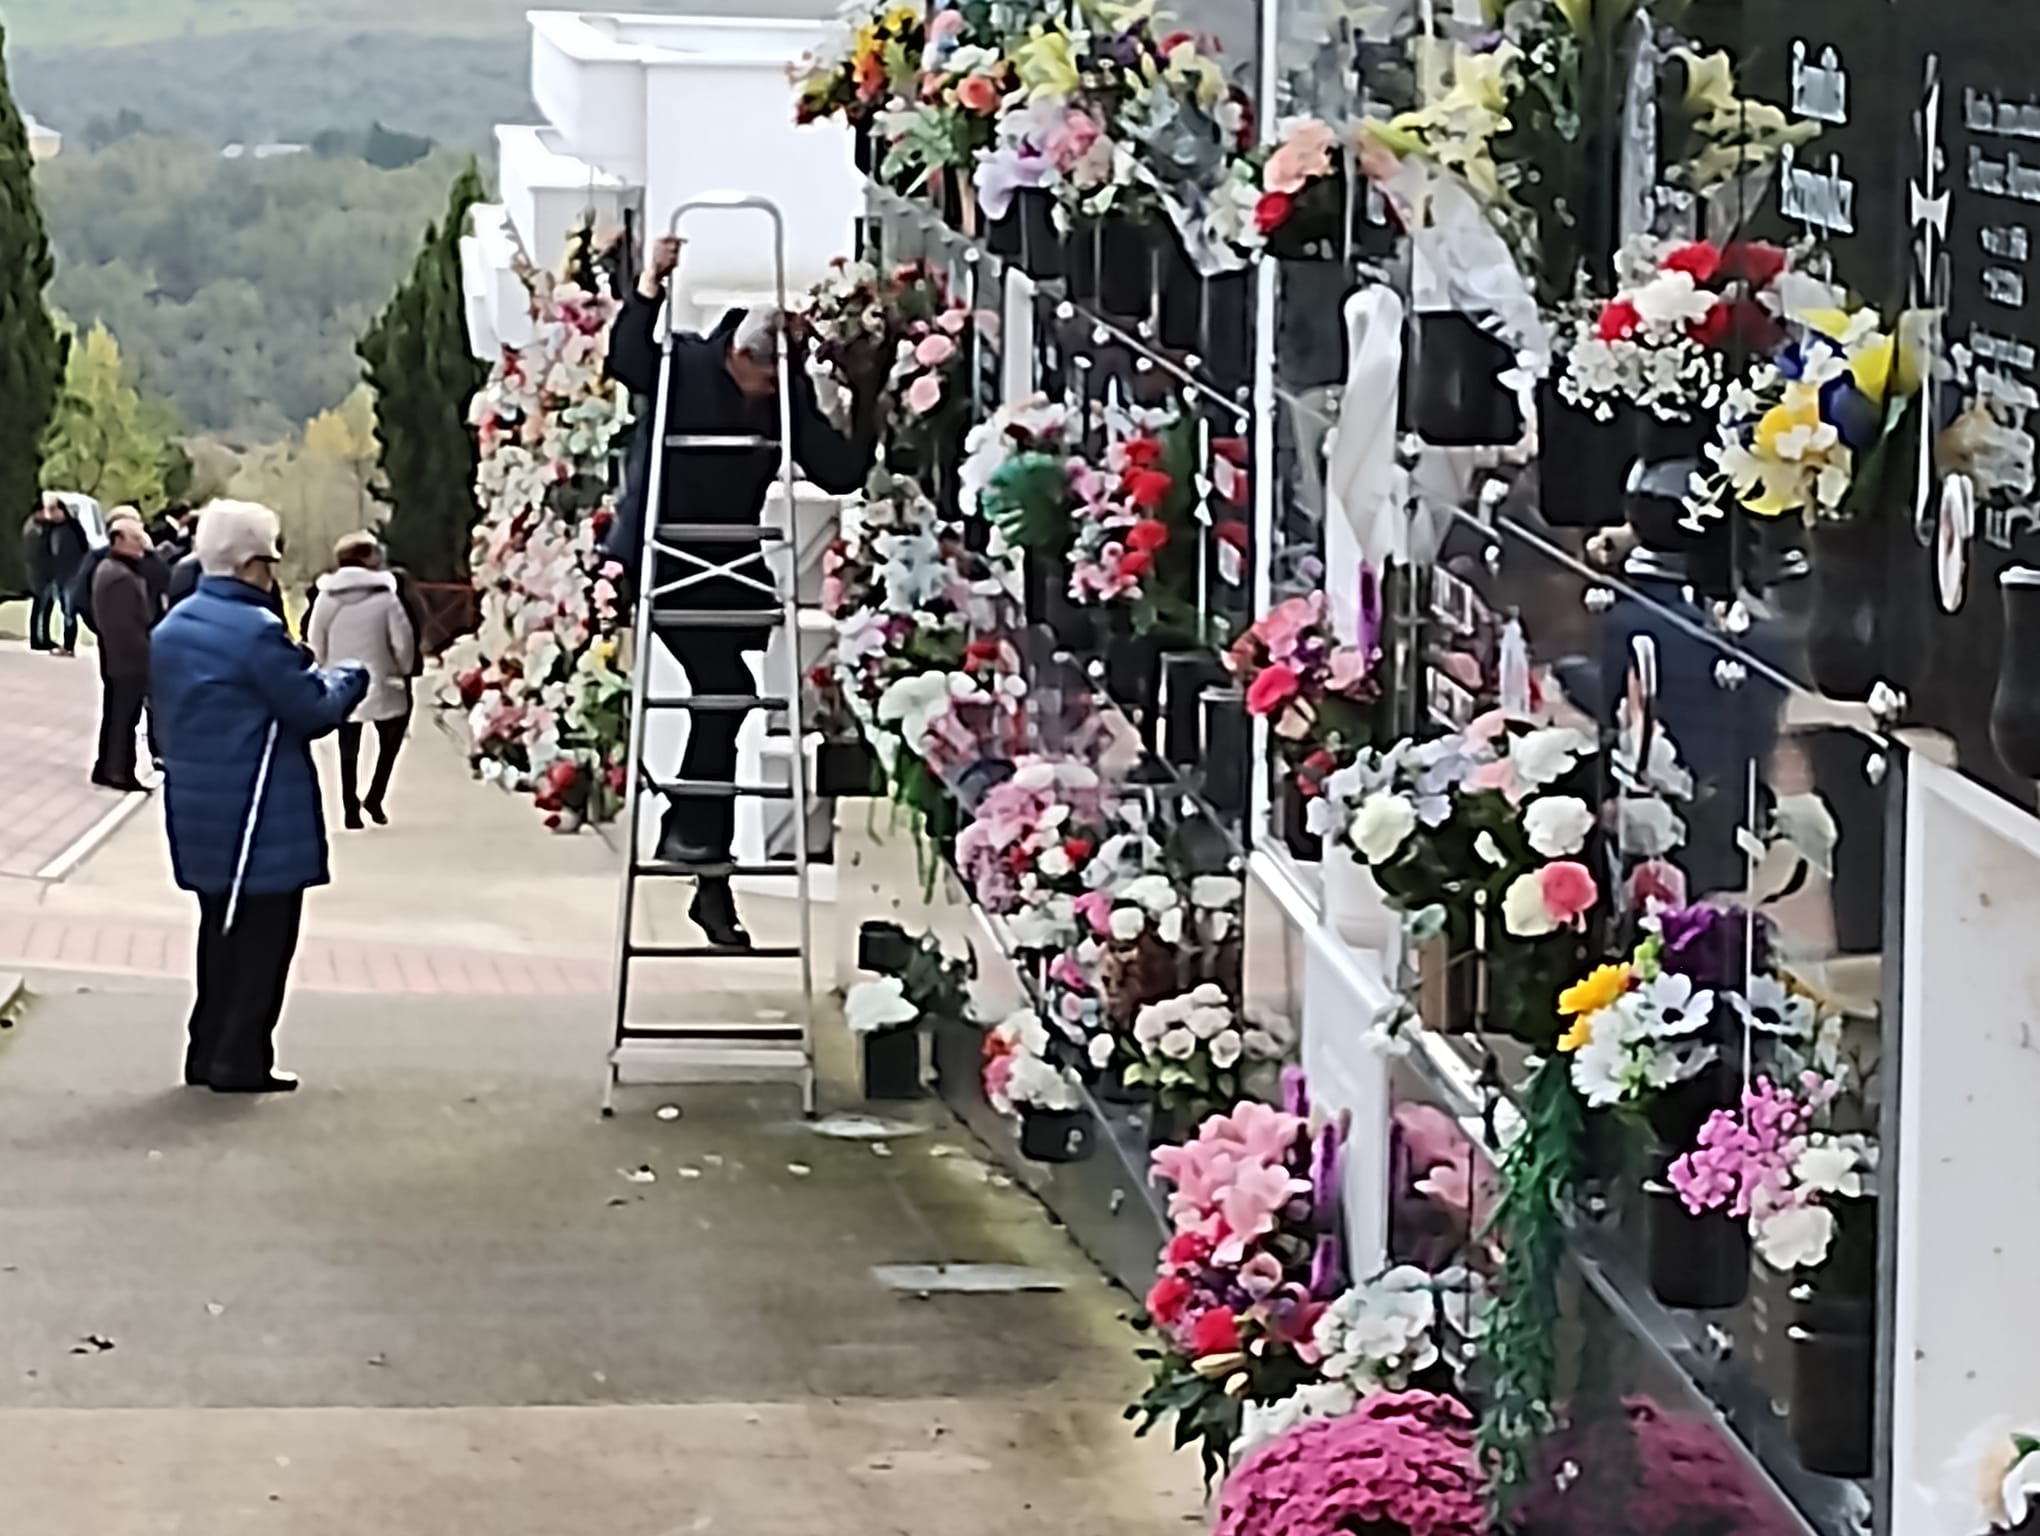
{"points": [[357, 616]]}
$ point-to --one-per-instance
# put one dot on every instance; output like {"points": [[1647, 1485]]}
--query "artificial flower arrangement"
{"points": [[1134, 531], [930, 985], [1196, 1051], [1723, 144], [1813, 431], [949, 111], [868, 57], [1684, 319], [1029, 847], [1294, 197], [1993, 1483], [1016, 475], [1316, 692], [1769, 1162], [547, 706], [1252, 1261], [1399, 1462], [1018, 1072]]}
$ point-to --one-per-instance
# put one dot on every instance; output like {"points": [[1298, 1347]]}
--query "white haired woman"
{"points": [[360, 617], [237, 708]]}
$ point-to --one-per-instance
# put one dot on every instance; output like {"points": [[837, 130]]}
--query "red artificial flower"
{"points": [[553, 822], [1755, 262], [1141, 452], [1149, 534], [547, 802], [1701, 258], [1276, 686], [1076, 849], [1217, 1332], [1619, 321], [470, 683], [562, 775], [1167, 1299], [1233, 531], [599, 523], [980, 652], [975, 93], [617, 777], [1232, 449], [1713, 329], [1146, 488], [1272, 211], [1187, 1248], [1134, 564]]}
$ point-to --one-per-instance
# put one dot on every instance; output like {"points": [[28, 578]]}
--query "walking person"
{"points": [[724, 385], [359, 616], [54, 548], [238, 707], [123, 612]]}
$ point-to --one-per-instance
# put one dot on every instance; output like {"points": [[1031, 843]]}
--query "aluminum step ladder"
{"points": [[706, 1052]]}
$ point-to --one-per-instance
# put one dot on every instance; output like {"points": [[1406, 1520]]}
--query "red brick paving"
{"points": [[47, 800]]}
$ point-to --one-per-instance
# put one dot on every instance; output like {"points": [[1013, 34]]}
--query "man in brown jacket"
{"points": [[124, 613]]}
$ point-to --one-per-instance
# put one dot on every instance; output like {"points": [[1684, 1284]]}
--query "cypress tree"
{"points": [[424, 377], [31, 351]]}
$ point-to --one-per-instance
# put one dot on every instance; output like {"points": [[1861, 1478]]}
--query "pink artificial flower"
{"points": [[1260, 1132], [1486, 729], [934, 351], [832, 594], [1306, 154], [1071, 140], [1568, 890], [1261, 1275], [1345, 669], [1250, 1205], [1499, 775], [952, 321], [944, 25], [1095, 908], [1064, 971], [1657, 883], [1286, 623], [924, 394]]}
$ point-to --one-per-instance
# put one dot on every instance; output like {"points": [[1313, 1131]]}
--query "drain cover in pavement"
{"points": [[864, 1128], [974, 1279]]}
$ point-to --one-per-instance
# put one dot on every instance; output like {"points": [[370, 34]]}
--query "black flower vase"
{"points": [[1004, 237], [1659, 440], [883, 948], [892, 1064], [1698, 1263], [1126, 268], [1846, 633], [1582, 464], [1045, 594], [1832, 1409], [1702, 553], [1133, 675], [1205, 316], [1057, 1135], [1453, 395], [1292, 822], [2015, 707], [1172, 1124], [1185, 676], [1041, 244], [1310, 323], [846, 769], [1227, 742]]}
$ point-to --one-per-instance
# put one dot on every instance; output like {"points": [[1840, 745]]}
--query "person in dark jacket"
{"points": [[123, 612], [724, 385], [186, 574], [238, 707], [54, 548]]}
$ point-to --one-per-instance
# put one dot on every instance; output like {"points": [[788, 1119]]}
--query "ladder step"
{"points": [[718, 1034], [710, 1062], [718, 533], [719, 618], [709, 952], [726, 442], [713, 789], [670, 869], [720, 702]]}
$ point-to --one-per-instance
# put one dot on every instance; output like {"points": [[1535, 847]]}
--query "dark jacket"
{"points": [[715, 485], [123, 614], [185, 576], [223, 667], [53, 552]]}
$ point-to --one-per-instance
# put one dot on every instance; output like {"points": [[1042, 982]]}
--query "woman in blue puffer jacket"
{"points": [[237, 708]]}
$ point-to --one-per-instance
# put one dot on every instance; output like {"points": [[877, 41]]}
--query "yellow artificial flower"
{"points": [[1044, 64], [1799, 409], [1190, 67], [1579, 1036], [1873, 367], [1598, 989], [900, 18], [1578, 14], [1710, 83]]}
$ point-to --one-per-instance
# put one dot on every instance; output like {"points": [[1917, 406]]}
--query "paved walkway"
{"points": [[50, 709]]}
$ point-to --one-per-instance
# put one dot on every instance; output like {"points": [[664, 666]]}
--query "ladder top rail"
{"points": [[726, 202]]}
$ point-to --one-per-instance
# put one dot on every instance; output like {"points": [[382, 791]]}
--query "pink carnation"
{"points": [[924, 394], [934, 351], [1568, 890]]}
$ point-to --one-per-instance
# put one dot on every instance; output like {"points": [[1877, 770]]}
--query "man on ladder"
{"points": [[722, 426]]}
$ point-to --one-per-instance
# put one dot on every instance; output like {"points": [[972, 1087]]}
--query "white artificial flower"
{"points": [[1768, 1006], [1150, 1024], [1603, 1070], [2016, 1492], [1178, 1044], [1127, 923], [1225, 1048], [1488, 849], [1053, 862], [1035, 775], [1548, 754], [1557, 826], [1647, 828], [1034, 1082], [1831, 1165], [1794, 1238], [1262, 1422], [1524, 913], [1672, 299], [1207, 1022], [1381, 825], [1100, 1051], [1215, 891], [1041, 927], [871, 1006], [1375, 1336], [1259, 1043], [1206, 994], [1217, 925], [1169, 926], [1670, 1005], [1155, 892]]}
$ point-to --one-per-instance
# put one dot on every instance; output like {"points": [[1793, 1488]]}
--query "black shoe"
{"points": [[377, 815], [352, 819], [714, 912], [676, 848], [274, 1082]]}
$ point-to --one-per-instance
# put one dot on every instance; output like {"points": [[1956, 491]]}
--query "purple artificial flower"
{"points": [[1367, 639], [1327, 1269], [1324, 1175], [1005, 170], [1712, 946], [1295, 1093]]}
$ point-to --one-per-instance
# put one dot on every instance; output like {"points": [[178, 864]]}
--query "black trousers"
{"points": [[714, 663], [120, 716], [241, 977], [389, 737]]}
